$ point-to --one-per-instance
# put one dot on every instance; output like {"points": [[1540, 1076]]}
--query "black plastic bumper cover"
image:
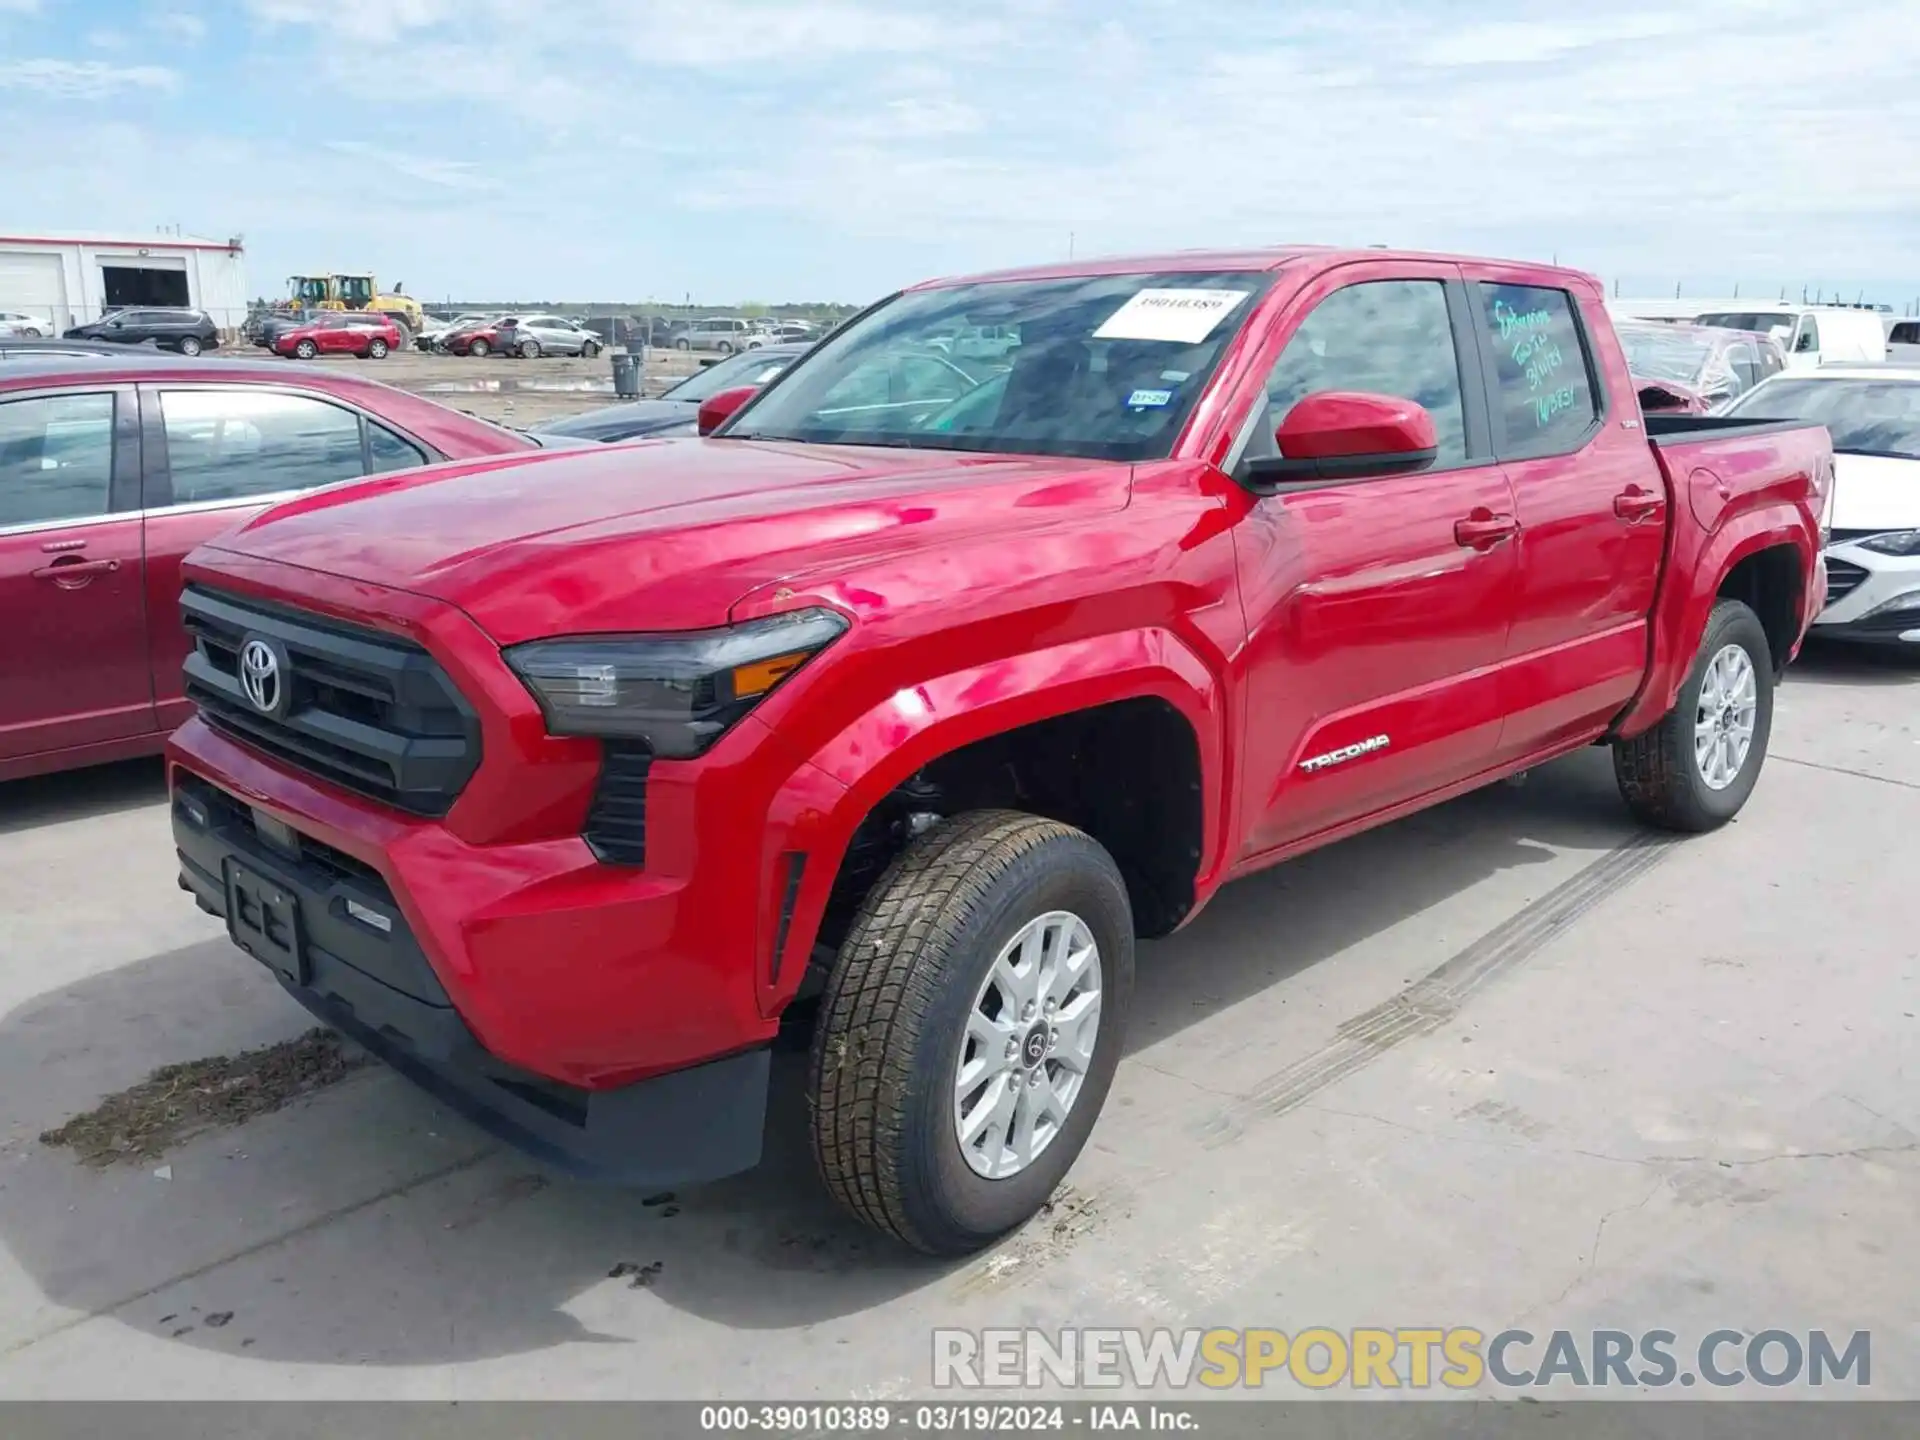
{"points": [[374, 986]]}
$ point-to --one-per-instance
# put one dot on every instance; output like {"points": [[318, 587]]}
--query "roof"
{"points": [[122, 241], [1215, 261], [140, 364], [1861, 370]]}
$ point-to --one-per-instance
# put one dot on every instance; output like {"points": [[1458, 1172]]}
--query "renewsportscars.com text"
{"points": [[1415, 1358]]}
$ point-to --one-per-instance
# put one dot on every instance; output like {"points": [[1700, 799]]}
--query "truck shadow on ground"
{"points": [[101, 790], [367, 1226], [1831, 663]]}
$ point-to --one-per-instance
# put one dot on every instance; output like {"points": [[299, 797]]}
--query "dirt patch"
{"points": [[180, 1101]]}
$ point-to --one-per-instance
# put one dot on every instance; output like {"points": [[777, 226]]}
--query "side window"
{"points": [[1746, 369], [56, 458], [1542, 391], [229, 444], [1809, 340], [390, 452], [1388, 337]]}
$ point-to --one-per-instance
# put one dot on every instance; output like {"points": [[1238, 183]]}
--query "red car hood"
{"points": [[659, 535]]}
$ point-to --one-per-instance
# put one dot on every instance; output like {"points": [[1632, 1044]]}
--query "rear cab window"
{"points": [[1544, 395]]}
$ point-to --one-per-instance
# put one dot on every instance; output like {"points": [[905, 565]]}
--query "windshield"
{"points": [[1103, 367], [730, 374], [1865, 417], [1659, 352], [1760, 322]]}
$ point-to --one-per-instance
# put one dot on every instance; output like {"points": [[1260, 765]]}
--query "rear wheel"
{"points": [[726, 347], [1695, 769], [306, 349], [376, 349], [190, 345], [479, 348], [969, 1031]]}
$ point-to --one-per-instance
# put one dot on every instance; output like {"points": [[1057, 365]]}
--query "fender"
{"points": [[1681, 612], [817, 811]]}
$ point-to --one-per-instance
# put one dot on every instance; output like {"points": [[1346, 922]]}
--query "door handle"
{"points": [[1636, 505], [71, 572], [1483, 529]]}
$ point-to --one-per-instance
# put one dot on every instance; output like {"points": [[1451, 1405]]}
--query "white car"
{"points": [[1873, 555], [22, 324]]}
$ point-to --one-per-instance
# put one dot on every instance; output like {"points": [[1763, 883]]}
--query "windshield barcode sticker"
{"points": [[1183, 317]]}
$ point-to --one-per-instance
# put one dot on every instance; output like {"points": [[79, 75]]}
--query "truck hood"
{"points": [[660, 534], [1875, 492]]}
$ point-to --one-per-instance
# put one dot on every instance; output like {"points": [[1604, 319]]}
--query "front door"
{"points": [[1377, 619], [73, 665], [1591, 504]]}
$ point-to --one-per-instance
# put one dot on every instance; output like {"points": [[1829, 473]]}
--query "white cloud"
{"points": [[84, 79], [181, 25], [447, 174]]}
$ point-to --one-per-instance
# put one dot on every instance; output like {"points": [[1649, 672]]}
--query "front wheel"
{"points": [[1695, 769], [529, 349], [970, 1028], [479, 349], [589, 350], [683, 344], [306, 349]]}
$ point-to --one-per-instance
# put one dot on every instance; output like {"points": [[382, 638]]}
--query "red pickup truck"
{"points": [[918, 693]]}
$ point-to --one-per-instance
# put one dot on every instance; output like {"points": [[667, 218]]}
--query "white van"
{"points": [[1812, 335]]}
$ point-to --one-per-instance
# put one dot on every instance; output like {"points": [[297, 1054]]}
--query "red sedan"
{"points": [[476, 340], [369, 335], [111, 470]]}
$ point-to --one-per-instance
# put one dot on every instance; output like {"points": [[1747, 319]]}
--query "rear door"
{"points": [[1376, 620], [218, 455], [1590, 501], [73, 664]]}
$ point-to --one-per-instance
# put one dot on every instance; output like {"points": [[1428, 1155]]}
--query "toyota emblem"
{"points": [[261, 677]]}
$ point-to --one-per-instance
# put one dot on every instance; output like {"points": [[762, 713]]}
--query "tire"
{"points": [[306, 349], [30, 332], [190, 346], [479, 349], [376, 349], [884, 1078], [589, 350], [529, 349], [1662, 774], [683, 344], [726, 347]]}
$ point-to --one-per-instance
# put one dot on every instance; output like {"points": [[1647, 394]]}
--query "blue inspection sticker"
{"points": [[1147, 399]]}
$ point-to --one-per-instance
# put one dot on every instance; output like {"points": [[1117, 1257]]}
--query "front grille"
{"points": [[617, 821], [1842, 577], [368, 711], [224, 812]]}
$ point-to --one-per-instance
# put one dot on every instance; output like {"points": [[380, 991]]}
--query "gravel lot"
{"points": [[1651, 1084], [512, 392]]}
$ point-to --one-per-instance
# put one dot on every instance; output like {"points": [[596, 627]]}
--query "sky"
{"points": [[815, 150]]}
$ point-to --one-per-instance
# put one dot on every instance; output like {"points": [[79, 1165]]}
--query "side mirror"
{"points": [[1345, 435], [717, 410]]}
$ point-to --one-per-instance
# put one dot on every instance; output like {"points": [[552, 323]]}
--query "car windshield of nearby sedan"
{"points": [[1865, 417], [1660, 352], [1106, 367], [729, 374]]}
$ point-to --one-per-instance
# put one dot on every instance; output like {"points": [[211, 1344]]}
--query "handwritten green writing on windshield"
{"points": [[1536, 355]]}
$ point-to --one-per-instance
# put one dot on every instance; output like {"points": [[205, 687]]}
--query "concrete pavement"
{"points": [[1512, 1062]]}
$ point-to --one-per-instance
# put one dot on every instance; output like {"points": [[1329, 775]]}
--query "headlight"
{"points": [[679, 692], [1896, 542]]}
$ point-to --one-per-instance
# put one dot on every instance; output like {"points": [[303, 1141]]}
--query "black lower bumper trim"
{"points": [[376, 988]]}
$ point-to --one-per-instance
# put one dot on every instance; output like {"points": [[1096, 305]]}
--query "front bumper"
{"points": [[331, 930], [1873, 598]]}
